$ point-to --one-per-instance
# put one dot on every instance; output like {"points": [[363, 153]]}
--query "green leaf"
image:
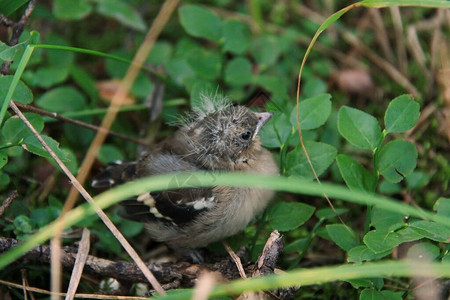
{"points": [[417, 180], [442, 206], [328, 213], [59, 58], [179, 70], [85, 81], [363, 253], [384, 220], [314, 86], [276, 132], [355, 175], [321, 155], [207, 64], [46, 77], [300, 246], [431, 230], [236, 37], [238, 72], [109, 153], [14, 130], [7, 7], [359, 128], [343, 236], [160, 54], [200, 22], [3, 159], [396, 160], [373, 294], [8, 53], [62, 99], [130, 228], [122, 12], [285, 216], [266, 50], [22, 226], [32, 145], [21, 94], [423, 252], [408, 235], [313, 112], [4, 180], [380, 241], [401, 114], [71, 10]]}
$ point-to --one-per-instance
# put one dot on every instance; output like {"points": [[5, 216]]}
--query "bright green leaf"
{"points": [[71, 10], [32, 145], [46, 77], [14, 130], [408, 235], [122, 12], [7, 7], [3, 159], [363, 253], [373, 294], [276, 132], [200, 22], [160, 54], [236, 37], [384, 220], [130, 229], [321, 155], [359, 128], [207, 64], [238, 72], [343, 236], [285, 216], [442, 206], [328, 213], [62, 99], [396, 160], [110, 153], [380, 241], [417, 180], [401, 114], [313, 112], [355, 175], [179, 70], [8, 53], [431, 230], [21, 94], [266, 50]]}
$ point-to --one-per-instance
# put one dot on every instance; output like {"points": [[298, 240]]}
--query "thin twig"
{"points": [[56, 116], [236, 259], [399, 38], [80, 261], [97, 209], [7, 202], [80, 296]]}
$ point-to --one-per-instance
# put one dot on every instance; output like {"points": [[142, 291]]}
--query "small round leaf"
{"points": [[401, 114]]}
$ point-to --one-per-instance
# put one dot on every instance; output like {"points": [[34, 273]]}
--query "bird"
{"points": [[216, 136]]}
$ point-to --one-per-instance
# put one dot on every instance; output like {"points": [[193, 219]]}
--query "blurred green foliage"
{"points": [[226, 46]]}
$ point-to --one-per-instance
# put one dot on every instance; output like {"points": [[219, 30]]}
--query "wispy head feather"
{"points": [[208, 103]]}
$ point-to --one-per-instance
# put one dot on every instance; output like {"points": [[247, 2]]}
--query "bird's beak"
{"points": [[263, 117]]}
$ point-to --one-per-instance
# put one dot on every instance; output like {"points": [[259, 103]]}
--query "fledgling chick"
{"points": [[215, 137]]}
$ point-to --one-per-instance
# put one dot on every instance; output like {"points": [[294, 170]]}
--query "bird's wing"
{"points": [[179, 205]]}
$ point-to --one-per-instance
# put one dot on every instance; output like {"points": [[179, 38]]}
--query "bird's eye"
{"points": [[246, 135]]}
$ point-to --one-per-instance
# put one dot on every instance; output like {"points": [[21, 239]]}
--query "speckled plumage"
{"points": [[217, 136]]}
